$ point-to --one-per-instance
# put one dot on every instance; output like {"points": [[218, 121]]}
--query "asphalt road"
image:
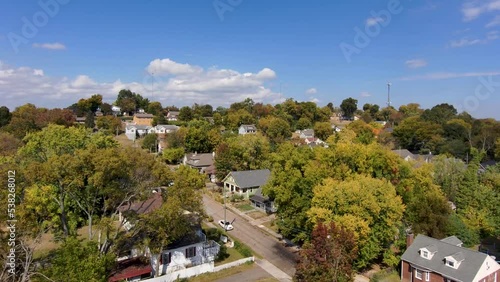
{"points": [[262, 243]]}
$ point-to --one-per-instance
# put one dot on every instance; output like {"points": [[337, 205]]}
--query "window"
{"points": [[418, 274], [450, 263], [425, 254], [166, 258], [427, 276], [190, 252]]}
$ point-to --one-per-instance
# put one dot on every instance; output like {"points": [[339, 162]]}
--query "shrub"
{"points": [[223, 254], [242, 249]]}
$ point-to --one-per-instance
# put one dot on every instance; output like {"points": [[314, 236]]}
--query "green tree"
{"points": [[186, 114], [323, 130], [440, 114], [366, 206], [150, 142], [329, 255], [78, 261], [304, 123], [364, 132], [278, 130], [89, 120], [110, 124], [154, 108], [349, 106], [173, 155], [5, 116]]}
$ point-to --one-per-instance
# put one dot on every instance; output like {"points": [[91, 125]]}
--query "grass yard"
{"points": [[256, 214], [271, 225], [245, 207], [221, 274], [124, 141], [234, 255]]}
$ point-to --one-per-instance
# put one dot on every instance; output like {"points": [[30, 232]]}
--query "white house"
{"points": [[247, 129], [134, 130], [172, 116], [306, 133]]}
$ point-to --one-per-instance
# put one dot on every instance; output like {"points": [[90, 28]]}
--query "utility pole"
{"points": [[224, 207]]}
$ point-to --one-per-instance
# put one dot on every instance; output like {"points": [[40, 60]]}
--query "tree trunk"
{"points": [[63, 217], [157, 270]]}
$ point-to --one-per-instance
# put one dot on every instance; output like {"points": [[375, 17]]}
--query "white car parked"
{"points": [[227, 226]]}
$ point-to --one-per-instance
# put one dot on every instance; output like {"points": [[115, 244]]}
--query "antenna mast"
{"points": [[388, 94]]}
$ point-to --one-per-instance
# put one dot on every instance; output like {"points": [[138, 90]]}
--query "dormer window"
{"points": [[454, 260], [428, 252]]}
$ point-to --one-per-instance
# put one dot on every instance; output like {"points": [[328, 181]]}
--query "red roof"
{"points": [[130, 268], [144, 207]]}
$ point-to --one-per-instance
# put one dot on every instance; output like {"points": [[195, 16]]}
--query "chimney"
{"points": [[409, 239]]}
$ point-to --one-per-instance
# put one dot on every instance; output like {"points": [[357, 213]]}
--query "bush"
{"points": [[236, 198], [213, 234], [387, 275], [242, 249], [223, 254], [210, 218]]}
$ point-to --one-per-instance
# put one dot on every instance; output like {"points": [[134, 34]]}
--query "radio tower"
{"points": [[388, 94]]}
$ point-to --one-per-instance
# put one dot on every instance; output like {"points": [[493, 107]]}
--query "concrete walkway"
{"points": [[273, 270]]}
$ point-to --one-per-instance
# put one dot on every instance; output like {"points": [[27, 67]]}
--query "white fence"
{"points": [[197, 270], [234, 263]]}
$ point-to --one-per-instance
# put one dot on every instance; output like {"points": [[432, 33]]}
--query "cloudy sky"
{"points": [[180, 52]]}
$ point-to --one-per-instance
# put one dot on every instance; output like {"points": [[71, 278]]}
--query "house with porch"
{"points": [[245, 183], [429, 259]]}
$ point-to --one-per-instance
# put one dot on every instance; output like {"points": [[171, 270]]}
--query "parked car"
{"points": [[227, 225]]}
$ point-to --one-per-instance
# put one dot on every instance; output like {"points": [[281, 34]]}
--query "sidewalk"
{"points": [[255, 222], [273, 270]]}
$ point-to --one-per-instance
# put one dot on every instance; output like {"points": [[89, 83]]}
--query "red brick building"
{"points": [[429, 259]]}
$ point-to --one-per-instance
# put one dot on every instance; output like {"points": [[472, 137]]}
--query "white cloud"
{"points": [[494, 22], [448, 75], [473, 9], [311, 91], [50, 46], [373, 21], [465, 41], [314, 100], [218, 87], [416, 63], [167, 66], [365, 94]]}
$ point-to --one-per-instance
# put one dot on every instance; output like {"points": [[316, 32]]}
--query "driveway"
{"points": [[262, 243], [255, 273]]}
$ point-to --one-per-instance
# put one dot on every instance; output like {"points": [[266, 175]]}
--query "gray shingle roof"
{"points": [[249, 127], [200, 160], [467, 270], [452, 240], [250, 178], [404, 153], [144, 116]]}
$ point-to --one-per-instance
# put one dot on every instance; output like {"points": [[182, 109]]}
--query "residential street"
{"points": [[265, 245]]}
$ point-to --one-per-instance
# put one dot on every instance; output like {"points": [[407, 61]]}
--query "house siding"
{"points": [[407, 275]]}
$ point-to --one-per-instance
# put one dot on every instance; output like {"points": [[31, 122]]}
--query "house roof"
{"points": [[248, 127], [130, 268], [258, 197], [200, 160], [167, 126], [144, 116], [452, 240], [250, 178], [139, 127], [307, 132], [143, 207], [404, 153], [172, 113], [466, 271]]}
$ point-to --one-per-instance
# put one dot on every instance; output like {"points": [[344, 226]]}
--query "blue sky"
{"points": [[53, 52]]}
